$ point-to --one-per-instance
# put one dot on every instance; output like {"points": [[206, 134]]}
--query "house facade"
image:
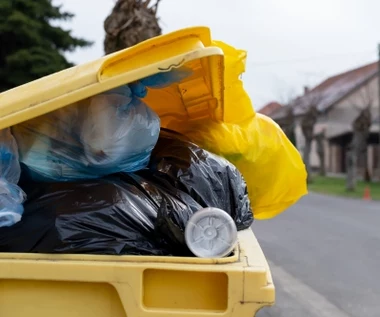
{"points": [[270, 108], [339, 100]]}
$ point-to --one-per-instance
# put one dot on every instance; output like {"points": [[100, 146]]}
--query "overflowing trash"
{"points": [[193, 170], [134, 213], [270, 164], [101, 176], [110, 132], [112, 215]]}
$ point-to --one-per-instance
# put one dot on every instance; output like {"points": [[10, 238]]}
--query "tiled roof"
{"points": [[270, 108], [280, 113], [333, 89]]}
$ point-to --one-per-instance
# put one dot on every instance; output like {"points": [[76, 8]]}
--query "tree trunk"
{"points": [[356, 150], [307, 126], [358, 146], [320, 139], [366, 173], [306, 158], [288, 125], [130, 23], [351, 163], [322, 167], [290, 133]]}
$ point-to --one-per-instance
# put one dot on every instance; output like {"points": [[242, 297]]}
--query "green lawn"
{"points": [[337, 187]]}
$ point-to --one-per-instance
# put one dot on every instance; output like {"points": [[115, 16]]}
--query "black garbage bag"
{"points": [[115, 216], [98, 217], [209, 179], [174, 209], [139, 214]]}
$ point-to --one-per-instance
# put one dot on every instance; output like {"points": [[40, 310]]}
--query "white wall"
{"points": [[314, 159], [342, 115]]}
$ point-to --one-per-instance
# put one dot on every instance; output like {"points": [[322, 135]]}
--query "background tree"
{"points": [[287, 122], [309, 119], [307, 107], [131, 22], [320, 142], [357, 149], [288, 125], [303, 110], [30, 46]]}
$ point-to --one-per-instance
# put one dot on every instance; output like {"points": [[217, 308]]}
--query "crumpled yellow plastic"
{"points": [[255, 144], [237, 104], [271, 165]]}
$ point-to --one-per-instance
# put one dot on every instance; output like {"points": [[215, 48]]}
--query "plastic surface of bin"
{"points": [[198, 96], [37, 285]]}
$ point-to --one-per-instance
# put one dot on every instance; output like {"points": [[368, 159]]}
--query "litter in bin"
{"points": [[104, 134], [270, 164], [210, 179], [11, 195], [110, 132], [136, 210], [211, 233], [115, 215]]}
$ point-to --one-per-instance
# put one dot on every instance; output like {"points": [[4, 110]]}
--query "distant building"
{"points": [[270, 108], [339, 99]]}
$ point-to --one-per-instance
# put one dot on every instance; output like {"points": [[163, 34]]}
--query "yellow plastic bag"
{"points": [[271, 165], [237, 104]]}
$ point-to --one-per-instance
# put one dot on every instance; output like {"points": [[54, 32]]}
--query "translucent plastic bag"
{"points": [[104, 134], [11, 195]]}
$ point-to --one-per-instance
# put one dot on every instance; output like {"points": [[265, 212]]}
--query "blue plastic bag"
{"points": [[108, 133], [11, 195], [101, 135]]}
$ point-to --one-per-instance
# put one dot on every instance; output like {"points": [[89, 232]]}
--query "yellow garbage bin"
{"points": [[43, 285]]}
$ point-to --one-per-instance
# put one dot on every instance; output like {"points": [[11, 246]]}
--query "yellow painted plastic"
{"points": [[191, 47], [40, 285]]}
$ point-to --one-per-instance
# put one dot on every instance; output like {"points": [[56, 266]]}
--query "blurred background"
{"points": [[312, 67], [290, 43]]}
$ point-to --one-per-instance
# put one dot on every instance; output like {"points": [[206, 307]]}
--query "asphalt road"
{"points": [[324, 254]]}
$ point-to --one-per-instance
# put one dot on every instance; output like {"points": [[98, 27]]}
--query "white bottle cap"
{"points": [[211, 233]]}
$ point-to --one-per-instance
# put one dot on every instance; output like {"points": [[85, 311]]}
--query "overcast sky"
{"points": [[290, 43]]}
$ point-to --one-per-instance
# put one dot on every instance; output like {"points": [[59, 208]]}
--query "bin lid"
{"points": [[198, 96]]}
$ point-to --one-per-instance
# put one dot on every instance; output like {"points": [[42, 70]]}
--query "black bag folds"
{"points": [[114, 216], [144, 213], [210, 179]]}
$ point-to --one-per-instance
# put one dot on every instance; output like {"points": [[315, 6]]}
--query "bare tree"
{"points": [[131, 22], [320, 140], [287, 123], [357, 149], [304, 107], [308, 122], [308, 107]]}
